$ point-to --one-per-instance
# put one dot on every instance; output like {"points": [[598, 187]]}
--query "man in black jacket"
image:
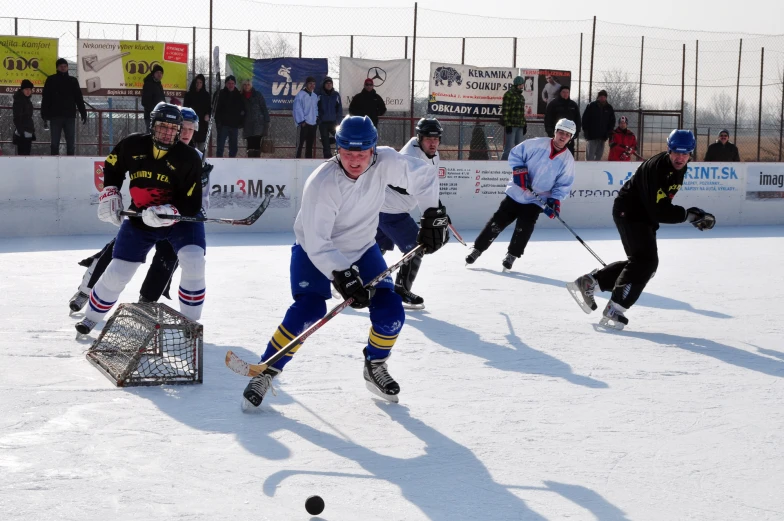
{"points": [[722, 150], [60, 99], [152, 93], [598, 124], [229, 116], [368, 103], [562, 108], [198, 98]]}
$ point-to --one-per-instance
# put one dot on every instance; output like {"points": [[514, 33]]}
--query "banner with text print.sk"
{"points": [[278, 79], [465, 90], [391, 80], [26, 58], [119, 67]]}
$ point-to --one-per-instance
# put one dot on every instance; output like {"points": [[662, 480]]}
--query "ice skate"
{"points": [[78, 301], [472, 256], [410, 300], [257, 388], [508, 262], [144, 300], [377, 379], [84, 327], [613, 317], [582, 291]]}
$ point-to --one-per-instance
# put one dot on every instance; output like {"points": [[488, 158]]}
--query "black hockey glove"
{"points": [[700, 219], [349, 284], [433, 232]]}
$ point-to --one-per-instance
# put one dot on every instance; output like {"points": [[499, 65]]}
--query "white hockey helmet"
{"points": [[567, 125]]}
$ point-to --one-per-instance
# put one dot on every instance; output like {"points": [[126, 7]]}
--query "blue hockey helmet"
{"points": [[188, 114], [681, 141], [356, 133]]}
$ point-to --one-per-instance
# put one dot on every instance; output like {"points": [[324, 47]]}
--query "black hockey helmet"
{"points": [[429, 127], [165, 113]]}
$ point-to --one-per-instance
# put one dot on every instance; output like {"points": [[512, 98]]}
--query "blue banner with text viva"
{"points": [[278, 79]]}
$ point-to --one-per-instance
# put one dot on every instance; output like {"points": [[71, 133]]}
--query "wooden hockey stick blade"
{"points": [[245, 221], [243, 368], [457, 235]]}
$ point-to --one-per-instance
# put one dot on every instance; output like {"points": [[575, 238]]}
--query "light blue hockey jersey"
{"points": [[551, 171]]}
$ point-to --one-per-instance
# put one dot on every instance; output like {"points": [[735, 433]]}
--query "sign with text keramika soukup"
{"points": [[119, 67], [26, 57]]}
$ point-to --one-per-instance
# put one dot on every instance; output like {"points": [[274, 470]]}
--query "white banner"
{"points": [[391, 79], [465, 90]]}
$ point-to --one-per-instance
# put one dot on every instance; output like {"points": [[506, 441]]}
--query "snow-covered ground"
{"points": [[513, 405]]}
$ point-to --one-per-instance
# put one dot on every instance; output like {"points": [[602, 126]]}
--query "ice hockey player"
{"points": [[542, 166], [165, 260], [165, 180], [644, 201], [396, 227], [335, 241]]}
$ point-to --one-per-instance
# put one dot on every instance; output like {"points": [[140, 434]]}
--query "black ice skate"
{"points": [[508, 262], [84, 327], [257, 388], [613, 316], [144, 300], [471, 257], [582, 291], [377, 379], [410, 300], [78, 301]]}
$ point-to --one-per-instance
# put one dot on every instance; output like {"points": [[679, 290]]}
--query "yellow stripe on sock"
{"points": [[282, 338], [381, 341]]}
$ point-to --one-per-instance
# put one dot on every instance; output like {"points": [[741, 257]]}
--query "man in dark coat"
{"points": [[60, 99], [368, 103], [198, 98], [598, 123], [152, 93], [24, 133], [722, 150], [562, 108], [229, 116]]}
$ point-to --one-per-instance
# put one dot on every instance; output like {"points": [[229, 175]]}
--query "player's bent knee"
{"points": [[386, 312], [192, 261], [309, 307], [118, 274]]}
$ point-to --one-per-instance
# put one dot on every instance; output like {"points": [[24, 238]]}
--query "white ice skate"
{"points": [[613, 317]]}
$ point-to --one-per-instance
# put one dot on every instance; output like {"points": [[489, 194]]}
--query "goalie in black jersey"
{"points": [[165, 181]]}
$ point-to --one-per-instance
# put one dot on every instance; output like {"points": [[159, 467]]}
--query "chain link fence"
{"points": [[657, 77]]}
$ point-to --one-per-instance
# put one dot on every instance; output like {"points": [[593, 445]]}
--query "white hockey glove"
{"points": [[150, 215], [110, 205]]}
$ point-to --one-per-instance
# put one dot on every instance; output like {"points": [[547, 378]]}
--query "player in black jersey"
{"points": [[165, 180], [644, 201]]}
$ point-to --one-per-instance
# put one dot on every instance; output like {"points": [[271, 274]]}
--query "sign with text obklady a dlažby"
{"points": [[467, 90], [119, 67], [26, 58]]}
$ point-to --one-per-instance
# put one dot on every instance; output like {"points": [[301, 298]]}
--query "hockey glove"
{"points": [[700, 219], [433, 231], [150, 215], [521, 177], [553, 208], [349, 285], [110, 205]]}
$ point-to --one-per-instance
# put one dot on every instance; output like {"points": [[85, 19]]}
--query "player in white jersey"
{"points": [[542, 166], [335, 241], [396, 227]]}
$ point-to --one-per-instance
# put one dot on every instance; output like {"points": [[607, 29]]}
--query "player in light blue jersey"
{"points": [[541, 166]]}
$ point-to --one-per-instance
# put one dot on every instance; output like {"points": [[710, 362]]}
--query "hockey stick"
{"points": [[243, 368], [570, 229], [457, 235], [245, 221]]}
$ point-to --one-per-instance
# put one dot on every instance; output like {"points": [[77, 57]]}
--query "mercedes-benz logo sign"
{"points": [[378, 75]]}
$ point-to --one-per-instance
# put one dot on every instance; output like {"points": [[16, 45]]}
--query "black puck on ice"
{"points": [[314, 505]]}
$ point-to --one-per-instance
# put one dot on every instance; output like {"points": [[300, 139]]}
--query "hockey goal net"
{"points": [[149, 344]]}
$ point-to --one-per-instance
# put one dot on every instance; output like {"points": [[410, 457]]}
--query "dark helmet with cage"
{"points": [[163, 136], [188, 114], [428, 127]]}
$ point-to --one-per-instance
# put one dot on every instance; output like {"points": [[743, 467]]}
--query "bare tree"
{"points": [[622, 91], [275, 46]]}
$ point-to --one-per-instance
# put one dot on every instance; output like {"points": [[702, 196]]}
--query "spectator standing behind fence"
{"points": [[257, 118], [152, 93], [623, 142], [368, 103], [330, 111], [228, 116], [306, 117], [562, 108], [198, 98], [513, 116], [24, 133], [598, 122], [59, 102], [550, 90], [722, 150]]}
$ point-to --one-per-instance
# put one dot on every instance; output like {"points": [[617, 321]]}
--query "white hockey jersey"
{"points": [[396, 202], [551, 171], [338, 218]]}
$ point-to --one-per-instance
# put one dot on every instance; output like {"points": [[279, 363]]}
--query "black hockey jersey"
{"points": [[174, 179]]}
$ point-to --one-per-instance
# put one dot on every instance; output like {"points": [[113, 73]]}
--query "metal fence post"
{"points": [[696, 69], [413, 69], [642, 56], [781, 117], [300, 45], [683, 82], [462, 59], [759, 115], [77, 31], [593, 44], [514, 51], [210, 79], [248, 43], [16, 26], [193, 49], [737, 91], [580, 76]]}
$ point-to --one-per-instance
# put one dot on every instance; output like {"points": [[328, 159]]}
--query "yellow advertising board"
{"points": [[26, 57]]}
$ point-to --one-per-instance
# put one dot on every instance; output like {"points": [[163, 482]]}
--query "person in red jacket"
{"points": [[623, 142]]}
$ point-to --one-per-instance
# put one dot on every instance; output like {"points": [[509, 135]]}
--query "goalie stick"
{"points": [[246, 221], [243, 368]]}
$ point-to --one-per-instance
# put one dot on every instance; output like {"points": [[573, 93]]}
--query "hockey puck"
{"points": [[314, 505]]}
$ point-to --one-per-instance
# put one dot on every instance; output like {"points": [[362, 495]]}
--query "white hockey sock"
{"points": [[108, 288], [192, 281]]}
